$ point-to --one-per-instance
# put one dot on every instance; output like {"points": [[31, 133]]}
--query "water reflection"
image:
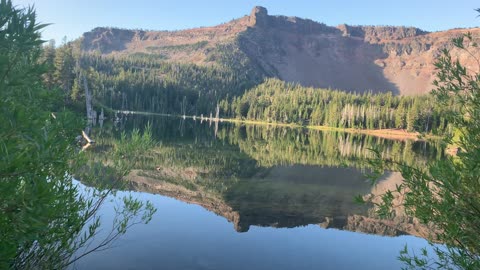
{"points": [[269, 176]]}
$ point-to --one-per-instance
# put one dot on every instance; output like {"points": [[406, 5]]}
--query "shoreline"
{"points": [[392, 134]]}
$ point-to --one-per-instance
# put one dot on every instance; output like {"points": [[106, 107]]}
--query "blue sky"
{"points": [[71, 18]]}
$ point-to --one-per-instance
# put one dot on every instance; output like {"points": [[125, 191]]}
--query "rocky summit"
{"points": [[352, 58]]}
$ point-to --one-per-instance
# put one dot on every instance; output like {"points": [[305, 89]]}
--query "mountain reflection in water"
{"points": [[271, 176]]}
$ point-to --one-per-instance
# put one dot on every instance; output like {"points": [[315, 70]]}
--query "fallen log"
{"points": [[87, 138]]}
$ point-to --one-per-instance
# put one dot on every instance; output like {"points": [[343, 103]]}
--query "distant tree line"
{"points": [[278, 101], [145, 82]]}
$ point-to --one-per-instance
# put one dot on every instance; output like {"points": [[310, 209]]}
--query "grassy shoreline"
{"points": [[393, 134], [384, 133]]}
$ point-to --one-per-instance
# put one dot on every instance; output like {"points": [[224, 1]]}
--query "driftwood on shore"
{"points": [[87, 138]]}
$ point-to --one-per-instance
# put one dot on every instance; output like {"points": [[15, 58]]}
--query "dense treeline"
{"points": [[145, 82], [278, 101]]}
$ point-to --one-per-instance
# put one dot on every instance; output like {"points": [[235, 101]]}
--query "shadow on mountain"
{"points": [[314, 54]]}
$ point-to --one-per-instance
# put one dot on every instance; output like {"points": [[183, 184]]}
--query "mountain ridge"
{"points": [[352, 58]]}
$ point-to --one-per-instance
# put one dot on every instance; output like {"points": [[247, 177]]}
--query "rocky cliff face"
{"points": [[352, 58]]}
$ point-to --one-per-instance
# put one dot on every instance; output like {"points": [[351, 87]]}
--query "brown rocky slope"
{"points": [[352, 58]]}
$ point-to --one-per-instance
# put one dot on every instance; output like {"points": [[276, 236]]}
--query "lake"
{"points": [[232, 196]]}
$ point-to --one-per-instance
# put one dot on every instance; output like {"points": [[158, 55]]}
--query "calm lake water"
{"points": [[257, 197]]}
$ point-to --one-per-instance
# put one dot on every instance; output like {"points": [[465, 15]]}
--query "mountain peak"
{"points": [[259, 16], [259, 10]]}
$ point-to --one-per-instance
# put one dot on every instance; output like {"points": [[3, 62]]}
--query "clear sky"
{"points": [[71, 18]]}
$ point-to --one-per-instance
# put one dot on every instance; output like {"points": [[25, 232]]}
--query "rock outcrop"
{"points": [[259, 17]]}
